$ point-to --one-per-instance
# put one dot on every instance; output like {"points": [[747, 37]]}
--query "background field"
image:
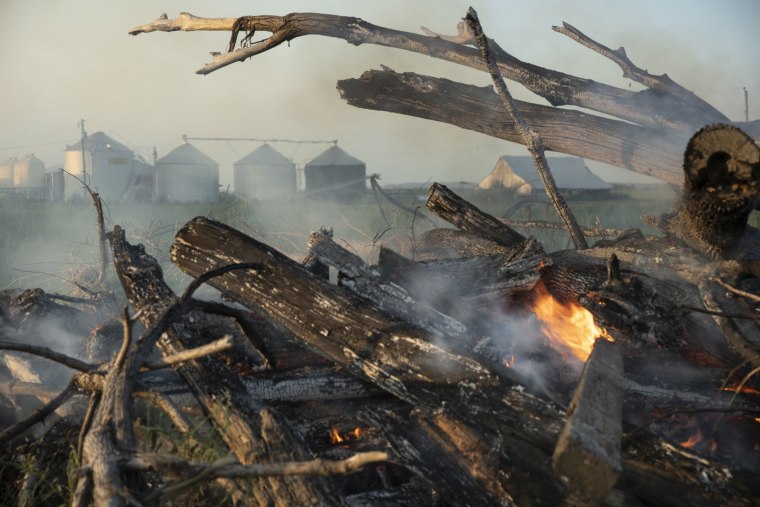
{"points": [[47, 244]]}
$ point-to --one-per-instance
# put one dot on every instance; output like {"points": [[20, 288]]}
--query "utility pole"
{"points": [[84, 136], [746, 104]]}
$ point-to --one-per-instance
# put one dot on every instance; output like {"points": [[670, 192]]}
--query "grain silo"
{"points": [[29, 172], [186, 174], [108, 167], [335, 173], [6, 174], [264, 174]]}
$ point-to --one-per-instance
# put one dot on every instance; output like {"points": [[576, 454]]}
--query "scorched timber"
{"points": [[251, 430], [519, 430]]}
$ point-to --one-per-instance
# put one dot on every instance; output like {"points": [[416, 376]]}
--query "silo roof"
{"points": [[334, 156], [264, 155], [186, 154], [98, 141]]}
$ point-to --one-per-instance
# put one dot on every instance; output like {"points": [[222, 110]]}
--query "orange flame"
{"points": [[745, 389], [692, 440], [335, 437], [568, 325]]}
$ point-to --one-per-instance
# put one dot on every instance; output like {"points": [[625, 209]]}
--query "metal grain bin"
{"points": [[108, 168], [335, 174], [264, 174], [186, 174]]}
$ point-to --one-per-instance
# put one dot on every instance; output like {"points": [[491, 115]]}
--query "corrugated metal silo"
{"points": [[264, 174], [6, 173], [186, 174], [109, 167], [335, 173], [29, 173]]}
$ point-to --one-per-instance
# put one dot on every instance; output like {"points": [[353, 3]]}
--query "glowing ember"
{"points": [[567, 325], [337, 438], [692, 440], [744, 390]]}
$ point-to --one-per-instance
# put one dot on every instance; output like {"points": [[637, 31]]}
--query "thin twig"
{"points": [[91, 407], [205, 277], [49, 354], [530, 137], [219, 345], [39, 415], [229, 468], [738, 292]]}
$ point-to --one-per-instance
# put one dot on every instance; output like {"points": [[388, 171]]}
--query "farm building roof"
{"points": [[98, 141], [264, 155], [333, 156], [186, 154], [569, 173]]}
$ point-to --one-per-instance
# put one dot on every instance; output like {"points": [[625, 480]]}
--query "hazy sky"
{"points": [[66, 60]]}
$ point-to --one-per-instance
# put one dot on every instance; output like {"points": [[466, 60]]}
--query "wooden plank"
{"points": [[587, 455]]}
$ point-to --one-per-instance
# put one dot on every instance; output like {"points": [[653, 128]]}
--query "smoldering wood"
{"points": [[250, 430], [587, 454], [367, 282], [526, 426]]}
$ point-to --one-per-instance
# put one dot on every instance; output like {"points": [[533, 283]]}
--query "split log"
{"points": [[587, 454], [253, 432], [455, 210], [524, 428], [645, 150]]}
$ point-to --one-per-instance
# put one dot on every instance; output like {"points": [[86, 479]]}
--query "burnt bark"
{"points": [[252, 431], [523, 428]]}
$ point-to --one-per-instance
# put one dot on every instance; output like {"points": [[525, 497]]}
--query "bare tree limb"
{"points": [[530, 137], [649, 151], [558, 88], [39, 415], [219, 345], [45, 352], [661, 83]]}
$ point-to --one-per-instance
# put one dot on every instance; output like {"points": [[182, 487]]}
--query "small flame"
{"points": [[335, 437], [567, 324], [692, 440], [745, 390]]}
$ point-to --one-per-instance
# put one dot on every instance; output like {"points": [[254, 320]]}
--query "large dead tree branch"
{"points": [[649, 151], [646, 107], [661, 83]]}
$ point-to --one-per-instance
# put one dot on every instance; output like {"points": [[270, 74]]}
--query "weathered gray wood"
{"points": [[522, 428], [645, 150], [245, 425], [587, 455], [367, 282], [455, 210], [645, 107], [530, 138]]}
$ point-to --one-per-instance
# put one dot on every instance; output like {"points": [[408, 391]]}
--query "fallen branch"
{"points": [[46, 353], [530, 137], [556, 87]]}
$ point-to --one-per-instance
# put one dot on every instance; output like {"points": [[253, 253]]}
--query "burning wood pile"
{"points": [[483, 371]]}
